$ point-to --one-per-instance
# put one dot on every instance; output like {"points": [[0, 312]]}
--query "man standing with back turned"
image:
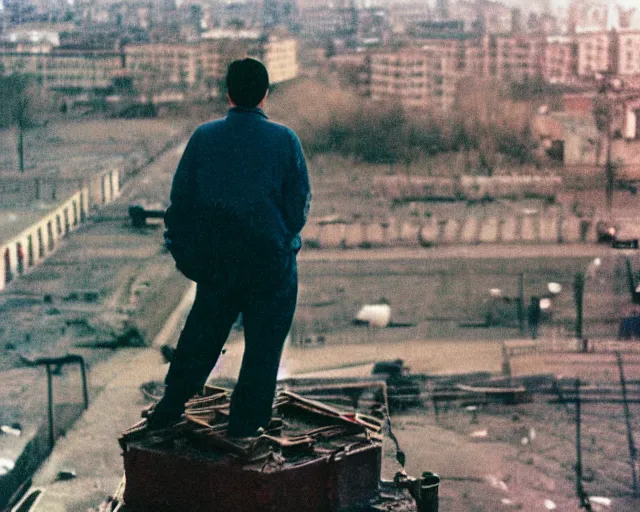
{"points": [[239, 199]]}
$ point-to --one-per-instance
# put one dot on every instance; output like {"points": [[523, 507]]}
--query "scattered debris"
{"points": [[13, 430], [66, 474], [549, 505], [374, 315], [600, 501], [479, 434], [6, 465], [473, 409], [507, 502], [403, 389], [496, 483]]}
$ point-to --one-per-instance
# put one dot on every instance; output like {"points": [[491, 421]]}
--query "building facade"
{"points": [[63, 69], [628, 53], [560, 60], [595, 53], [201, 65]]}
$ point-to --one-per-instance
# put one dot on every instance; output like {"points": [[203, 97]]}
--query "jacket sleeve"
{"points": [[183, 188], [297, 192]]}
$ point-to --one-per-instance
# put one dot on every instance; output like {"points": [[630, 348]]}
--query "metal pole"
{"points": [[85, 390], [633, 453], [609, 168], [521, 303], [582, 496], [578, 295], [52, 437]]}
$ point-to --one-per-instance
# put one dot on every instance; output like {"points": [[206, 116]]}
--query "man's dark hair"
{"points": [[247, 82]]}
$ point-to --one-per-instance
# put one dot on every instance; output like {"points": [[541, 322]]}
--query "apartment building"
{"points": [[280, 57], [325, 20], [402, 76], [200, 65], [159, 65], [560, 60], [628, 53], [63, 69], [514, 58], [419, 78], [595, 52]]}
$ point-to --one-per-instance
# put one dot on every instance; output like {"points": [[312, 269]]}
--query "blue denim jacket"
{"points": [[241, 185]]}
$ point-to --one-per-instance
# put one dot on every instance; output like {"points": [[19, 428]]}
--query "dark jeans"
{"points": [[267, 304]]}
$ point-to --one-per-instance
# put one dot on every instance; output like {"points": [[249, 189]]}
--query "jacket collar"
{"points": [[245, 110]]}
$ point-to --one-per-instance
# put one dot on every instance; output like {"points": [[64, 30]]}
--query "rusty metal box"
{"points": [[166, 479]]}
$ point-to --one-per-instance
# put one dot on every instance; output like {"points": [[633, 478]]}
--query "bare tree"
{"points": [[18, 108]]}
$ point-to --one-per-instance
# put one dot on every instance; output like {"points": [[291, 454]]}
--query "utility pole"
{"points": [[609, 167], [521, 303], [585, 503], [578, 296], [633, 452]]}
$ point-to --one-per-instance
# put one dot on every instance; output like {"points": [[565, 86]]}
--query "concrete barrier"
{"points": [[409, 233], [571, 229], [451, 232], [311, 235], [489, 230], [549, 228], [529, 228], [508, 229], [430, 233], [592, 234], [332, 236], [353, 236], [374, 235], [469, 230], [391, 231]]}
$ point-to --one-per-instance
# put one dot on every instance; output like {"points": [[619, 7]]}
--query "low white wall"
{"points": [[41, 239]]}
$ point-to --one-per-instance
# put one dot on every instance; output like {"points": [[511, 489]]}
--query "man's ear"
{"points": [[261, 104], [230, 100]]}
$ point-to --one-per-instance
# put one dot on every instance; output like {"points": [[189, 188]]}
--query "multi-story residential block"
{"points": [[324, 20], [403, 76], [63, 69], [560, 60], [280, 57], [160, 65], [627, 53], [421, 78], [595, 53], [514, 58], [193, 66], [495, 17], [401, 15], [489, 16]]}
